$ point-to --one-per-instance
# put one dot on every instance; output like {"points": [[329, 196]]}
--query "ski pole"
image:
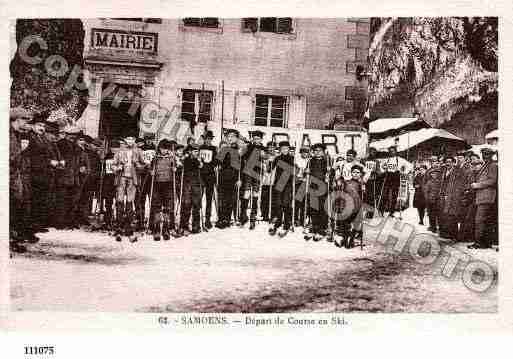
{"points": [[307, 180], [293, 190], [151, 193], [270, 193], [330, 223], [203, 229], [179, 213]]}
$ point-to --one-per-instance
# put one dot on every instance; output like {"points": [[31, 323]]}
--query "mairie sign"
{"points": [[124, 40]]}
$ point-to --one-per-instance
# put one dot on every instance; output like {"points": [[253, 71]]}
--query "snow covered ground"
{"points": [[232, 270]]}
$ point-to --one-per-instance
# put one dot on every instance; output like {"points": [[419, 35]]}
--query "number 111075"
{"points": [[39, 350]]}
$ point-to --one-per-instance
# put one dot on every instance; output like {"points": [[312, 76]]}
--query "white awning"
{"points": [[412, 139], [386, 124]]}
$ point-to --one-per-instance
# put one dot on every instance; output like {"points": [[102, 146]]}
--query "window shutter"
{"points": [[297, 112], [244, 108], [284, 25], [250, 24]]}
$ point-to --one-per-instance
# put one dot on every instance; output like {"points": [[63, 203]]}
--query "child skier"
{"points": [[162, 212], [282, 190]]}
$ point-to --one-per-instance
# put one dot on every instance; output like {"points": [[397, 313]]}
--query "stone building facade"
{"points": [[278, 72]]}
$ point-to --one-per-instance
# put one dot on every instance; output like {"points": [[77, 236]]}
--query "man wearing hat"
{"points": [[191, 192], [94, 150], [432, 187], [266, 208], [162, 211], [42, 162], [81, 202], [252, 165], [52, 133], [208, 155], [485, 187], [108, 188], [319, 172], [148, 151], [468, 200], [67, 181], [282, 189], [19, 180], [451, 195], [127, 162], [373, 178], [229, 171]]}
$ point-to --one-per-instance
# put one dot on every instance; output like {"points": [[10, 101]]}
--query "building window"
{"points": [[207, 22], [196, 105], [270, 111], [140, 19], [278, 25]]}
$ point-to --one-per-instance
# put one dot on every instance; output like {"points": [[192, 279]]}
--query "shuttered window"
{"points": [[270, 111], [279, 25], [196, 105], [140, 19], [207, 22]]}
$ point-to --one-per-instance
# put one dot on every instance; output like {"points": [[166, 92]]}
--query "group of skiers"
{"points": [[62, 178], [460, 196]]}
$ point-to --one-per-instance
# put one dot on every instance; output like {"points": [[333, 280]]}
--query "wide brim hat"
{"points": [[165, 143], [284, 144], [40, 117], [318, 145], [256, 133], [488, 149], [20, 112], [231, 130]]}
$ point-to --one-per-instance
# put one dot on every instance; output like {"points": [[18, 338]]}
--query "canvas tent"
{"points": [[419, 144]]}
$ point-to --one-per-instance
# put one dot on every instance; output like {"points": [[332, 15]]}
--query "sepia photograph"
{"points": [[254, 165]]}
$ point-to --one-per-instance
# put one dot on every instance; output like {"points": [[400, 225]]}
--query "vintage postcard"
{"points": [[254, 172]]}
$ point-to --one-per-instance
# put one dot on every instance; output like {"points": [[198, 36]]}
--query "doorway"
{"points": [[115, 119]]}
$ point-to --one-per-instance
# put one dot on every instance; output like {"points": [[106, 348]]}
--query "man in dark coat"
{"points": [[19, 181], [81, 202], [450, 199], [108, 190], [485, 186], [42, 162], [229, 159], [52, 131], [282, 189], [373, 179], [252, 162], [93, 151], [208, 155], [191, 192], [419, 201], [67, 182], [319, 172], [391, 181], [432, 187], [468, 200]]}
